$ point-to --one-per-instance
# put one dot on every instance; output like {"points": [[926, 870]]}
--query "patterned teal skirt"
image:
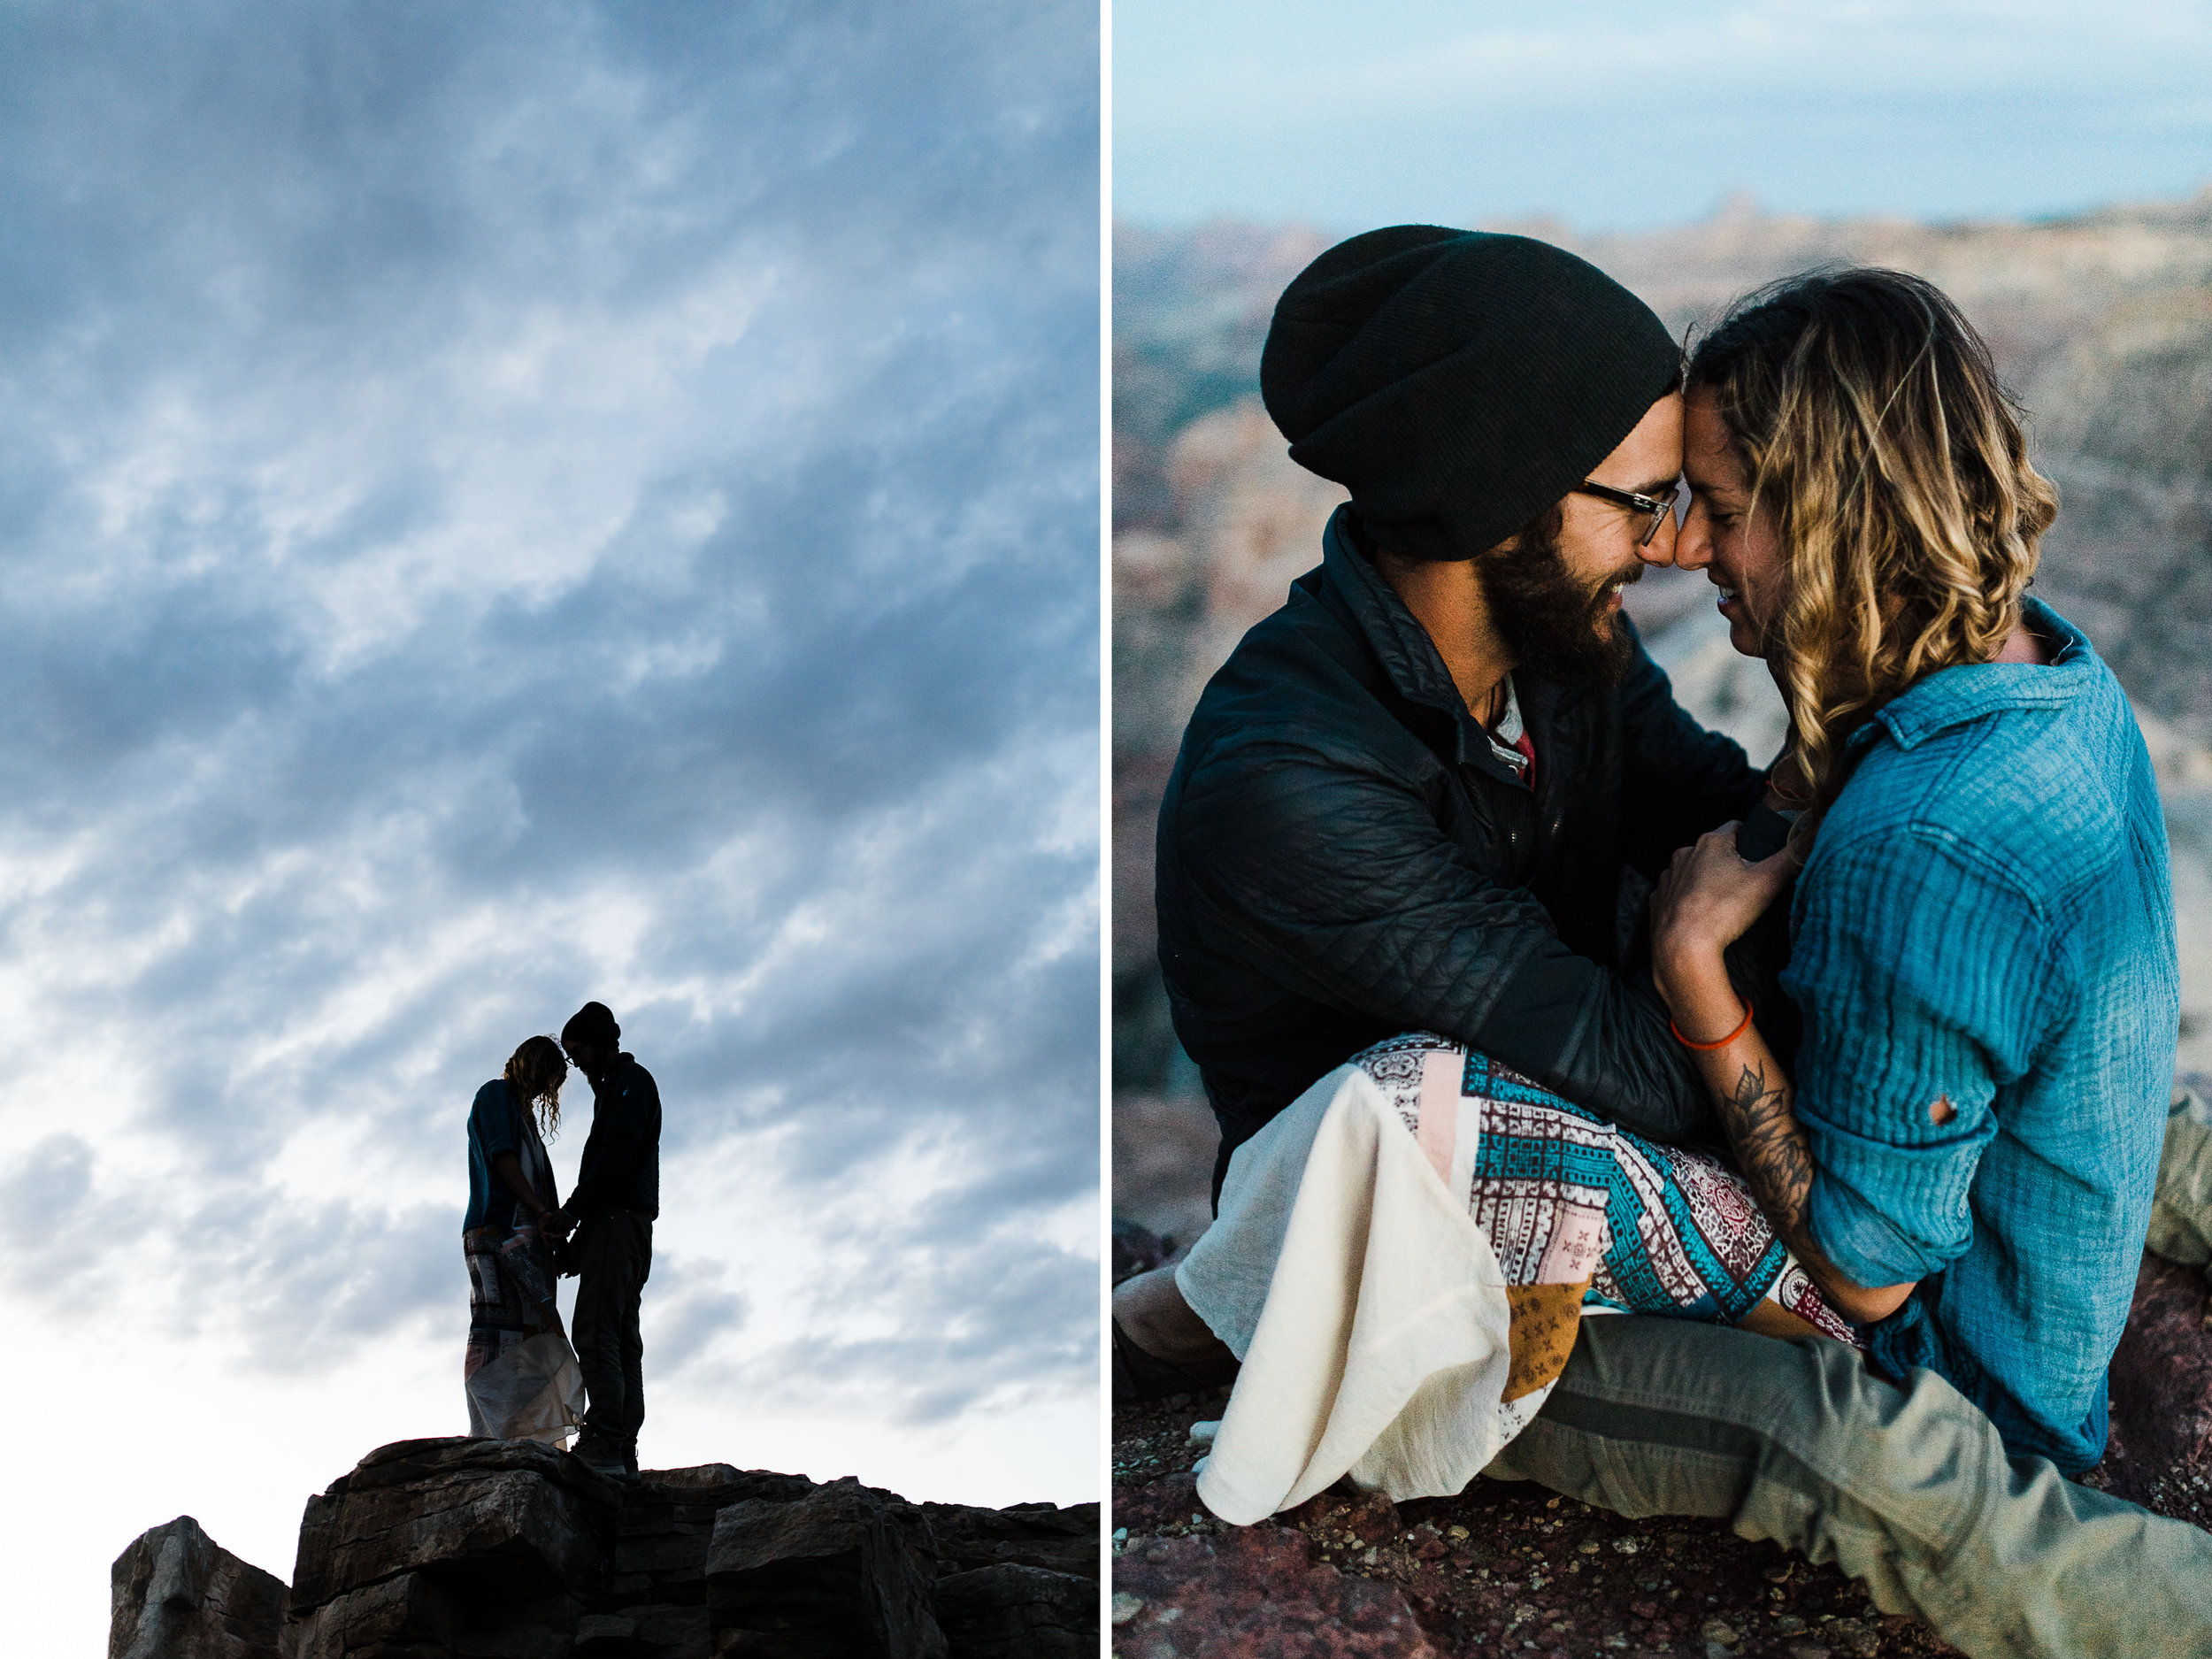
{"points": [[1563, 1195]]}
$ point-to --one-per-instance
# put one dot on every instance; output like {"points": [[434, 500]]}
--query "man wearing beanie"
{"points": [[1405, 800], [613, 1207], [1404, 804]]}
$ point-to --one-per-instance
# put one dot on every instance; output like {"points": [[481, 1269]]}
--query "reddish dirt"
{"points": [[1508, 1568]]}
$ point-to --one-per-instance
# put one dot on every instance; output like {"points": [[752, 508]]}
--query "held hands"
{"points": [[557, 1225]]}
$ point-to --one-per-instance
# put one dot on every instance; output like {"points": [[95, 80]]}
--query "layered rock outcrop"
{"points": [[505, 1549], [177, 1594]]}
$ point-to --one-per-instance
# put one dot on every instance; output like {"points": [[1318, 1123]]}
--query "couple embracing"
{"points": [[1857, 1124], [523, 1380]]}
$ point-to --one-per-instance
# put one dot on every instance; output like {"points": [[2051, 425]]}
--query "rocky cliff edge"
{"points": [[460, 1549]]}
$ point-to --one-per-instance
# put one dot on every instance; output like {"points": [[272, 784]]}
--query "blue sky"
{"points": [[506, 505], [1617, 114]]}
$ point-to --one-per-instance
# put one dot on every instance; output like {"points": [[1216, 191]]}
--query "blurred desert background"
{"points": [[2102, 323]]}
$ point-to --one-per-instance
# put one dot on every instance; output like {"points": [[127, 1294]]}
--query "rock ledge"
{"points": [[459, 1548]]}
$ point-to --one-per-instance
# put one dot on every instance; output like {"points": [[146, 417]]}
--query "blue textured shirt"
{"points": [[1986, 918]]}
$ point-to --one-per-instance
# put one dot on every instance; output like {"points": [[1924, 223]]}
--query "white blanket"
{"points": [[1367, 1306]]}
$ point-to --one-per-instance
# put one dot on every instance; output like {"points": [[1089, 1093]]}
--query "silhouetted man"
{"points": [[613, 1207]]}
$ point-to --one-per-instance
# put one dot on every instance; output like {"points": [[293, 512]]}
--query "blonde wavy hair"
{"points": [[1869, 417], [535, 1072]]}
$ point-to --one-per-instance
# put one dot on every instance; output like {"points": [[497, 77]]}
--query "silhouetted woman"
{"points": [[520, 1373]]}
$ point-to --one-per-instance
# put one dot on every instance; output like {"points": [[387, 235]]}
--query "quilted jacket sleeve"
{"points": [[1336, 882]]}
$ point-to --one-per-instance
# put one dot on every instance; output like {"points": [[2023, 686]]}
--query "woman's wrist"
{"points": [[1692, 981], [1684, 959]]}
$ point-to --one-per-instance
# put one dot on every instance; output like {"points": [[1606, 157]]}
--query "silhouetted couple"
{"points": [[523, 1380]]}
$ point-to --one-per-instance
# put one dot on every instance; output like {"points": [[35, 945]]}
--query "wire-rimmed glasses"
{"points": [[1657, 506]]}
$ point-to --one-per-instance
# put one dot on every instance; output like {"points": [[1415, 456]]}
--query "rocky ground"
{"points": [[1507, 1568]]}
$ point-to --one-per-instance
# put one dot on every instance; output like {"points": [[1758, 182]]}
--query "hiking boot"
{"points": [[601, 1456]]}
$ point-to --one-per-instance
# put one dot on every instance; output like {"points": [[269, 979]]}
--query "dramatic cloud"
{"points": [[501, 505]]}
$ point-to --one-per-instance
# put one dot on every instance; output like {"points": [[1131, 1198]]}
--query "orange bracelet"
{"points": [[1708, 1048]]}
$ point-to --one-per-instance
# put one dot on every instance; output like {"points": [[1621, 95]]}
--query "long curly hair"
{"points": [[535, 1072], [1869, 417]]}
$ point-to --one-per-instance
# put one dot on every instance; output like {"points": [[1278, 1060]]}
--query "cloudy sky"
{"points": [[501, 505], [1629, 113]]}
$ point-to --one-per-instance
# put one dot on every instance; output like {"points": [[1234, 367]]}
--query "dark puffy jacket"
{"points": [[621, 1165], [1342, 857]]}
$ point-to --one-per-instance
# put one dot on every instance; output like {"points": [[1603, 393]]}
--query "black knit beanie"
{"points": [[593, 1023], [1458, 382]]}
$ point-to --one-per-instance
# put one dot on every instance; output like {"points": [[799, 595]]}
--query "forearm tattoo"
{"points": [[1775, 1151]]}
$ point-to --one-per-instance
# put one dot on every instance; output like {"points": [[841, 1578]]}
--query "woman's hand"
{"points": [[1710, 894], [1708, 898]]}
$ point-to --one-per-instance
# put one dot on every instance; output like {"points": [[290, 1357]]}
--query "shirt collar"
{"points": [[1953, 696], [1410, 657]]}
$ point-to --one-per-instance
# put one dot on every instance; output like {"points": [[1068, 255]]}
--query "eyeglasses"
{"points": [[1657, 506]]}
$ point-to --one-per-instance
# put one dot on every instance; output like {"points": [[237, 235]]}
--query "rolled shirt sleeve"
{"points": [[1923, 970]]}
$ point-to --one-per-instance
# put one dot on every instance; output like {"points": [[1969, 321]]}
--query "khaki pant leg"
{"points": [[2181, 1214], [1907, 1489]]}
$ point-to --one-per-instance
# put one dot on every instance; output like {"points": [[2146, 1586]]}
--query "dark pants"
{"points": [[615, 1256]]}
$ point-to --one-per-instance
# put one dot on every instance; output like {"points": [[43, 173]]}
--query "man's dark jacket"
{"points": [[621, 1166], [1342, 857]]}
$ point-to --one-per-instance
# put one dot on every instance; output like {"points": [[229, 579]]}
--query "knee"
{"points": [[1880, 1446], [1810, 1398], [1627, 1475]]}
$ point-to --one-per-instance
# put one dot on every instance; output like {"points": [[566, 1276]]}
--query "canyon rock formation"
{"points": [[459, 1549]]}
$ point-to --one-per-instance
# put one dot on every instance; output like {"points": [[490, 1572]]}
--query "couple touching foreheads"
{"points": [[1858, 1121], [523, 1380]]}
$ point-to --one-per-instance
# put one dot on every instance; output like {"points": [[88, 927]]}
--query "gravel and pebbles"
{"points": [[1501, 1569]]}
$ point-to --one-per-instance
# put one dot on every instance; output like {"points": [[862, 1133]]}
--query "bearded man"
{"points": [[1406, 801]]}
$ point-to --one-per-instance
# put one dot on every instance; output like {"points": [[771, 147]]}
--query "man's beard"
{"points": [[1552, 623]]}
